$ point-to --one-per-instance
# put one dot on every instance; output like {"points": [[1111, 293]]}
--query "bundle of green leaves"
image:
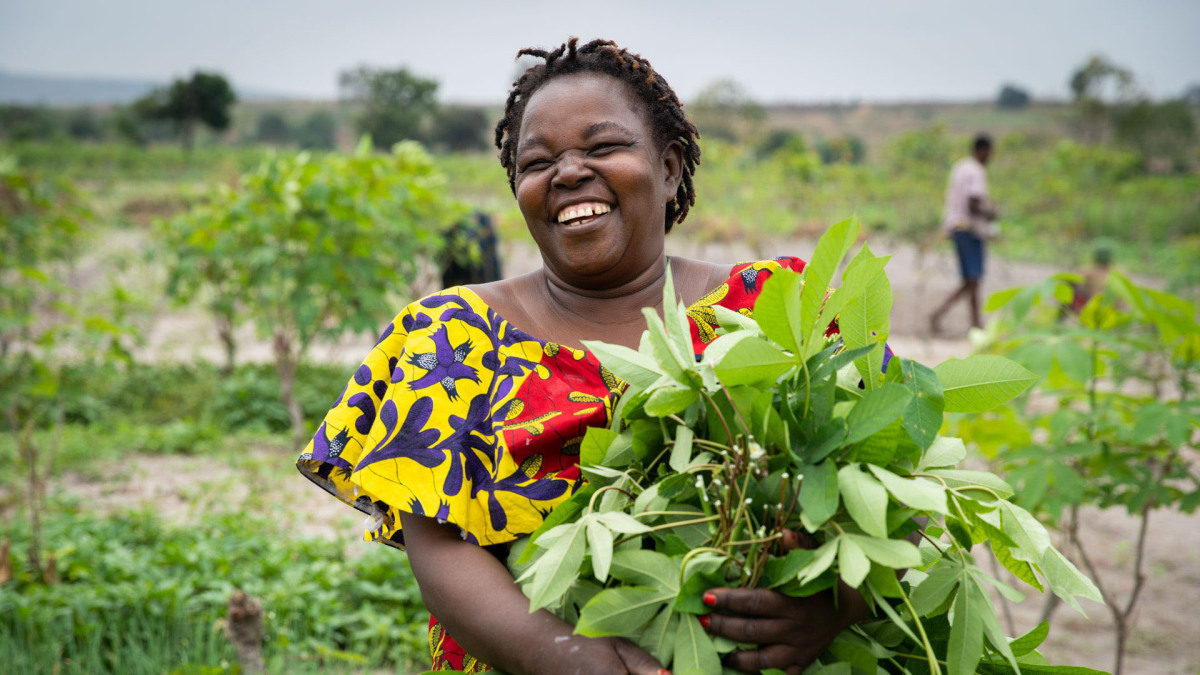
{"points": [[780, 427]]}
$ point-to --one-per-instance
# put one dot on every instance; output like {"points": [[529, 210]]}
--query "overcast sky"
{"points": [[875, 50]]}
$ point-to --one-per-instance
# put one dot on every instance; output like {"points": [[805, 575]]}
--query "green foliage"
{"points": [[462, 129], [1164, 130], [28, 123], [272, 127], [137, 596], [778, 427], [83, 125], [40, 316], [204, 98], [1124, 377], [1012, 97], [725, 111], [309, 247], [317, 131], [395, 105], [848, 149]]}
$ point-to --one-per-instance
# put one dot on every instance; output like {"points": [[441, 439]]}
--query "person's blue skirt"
{"points": [[970, 254]]}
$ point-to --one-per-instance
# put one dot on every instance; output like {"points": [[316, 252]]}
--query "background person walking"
{"points": [[969, 219]]}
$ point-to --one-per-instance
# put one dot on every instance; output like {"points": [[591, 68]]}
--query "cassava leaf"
{"points": [[619, 611], [694, 650], [893, 553], [876, 410], [777, 310], [865, 499], [943, 452], [557, 569], [982, 382], [681, 452], [1031, 640], [818, 274], [646, 568], [923, 416], [818, 493], [752, 360], [636, 369], [919, 493], [600, 547], [853, 565], [966, 633]]}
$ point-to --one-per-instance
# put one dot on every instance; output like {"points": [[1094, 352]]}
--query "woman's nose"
{"points": [[570, 170]]}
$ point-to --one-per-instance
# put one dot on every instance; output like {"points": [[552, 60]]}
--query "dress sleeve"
{"points": [[342, 439], [429, 439]]}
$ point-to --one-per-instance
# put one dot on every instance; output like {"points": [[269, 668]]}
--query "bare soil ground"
{"points": [[1166, 640]]}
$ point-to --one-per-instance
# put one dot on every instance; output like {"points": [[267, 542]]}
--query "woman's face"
{"points": [[591, 182]]}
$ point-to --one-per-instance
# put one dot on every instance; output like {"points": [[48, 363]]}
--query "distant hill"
{"points": [[53, 90]]}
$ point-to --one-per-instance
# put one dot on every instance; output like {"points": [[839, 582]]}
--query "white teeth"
{"points": [[583, 211]]}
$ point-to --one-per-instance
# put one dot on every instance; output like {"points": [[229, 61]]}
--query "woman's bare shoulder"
{"points": [[694, 278], [510, 298]]}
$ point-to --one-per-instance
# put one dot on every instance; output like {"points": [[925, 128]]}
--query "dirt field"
{"points": [[1166, 640]]}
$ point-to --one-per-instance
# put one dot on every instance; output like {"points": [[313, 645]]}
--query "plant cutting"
{"points": [[784, 424]]}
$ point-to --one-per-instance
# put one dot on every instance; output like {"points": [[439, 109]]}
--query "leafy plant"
{"points": [[138, 596], [43, 320], [780, 426], [1123, 374], [309, 247]]}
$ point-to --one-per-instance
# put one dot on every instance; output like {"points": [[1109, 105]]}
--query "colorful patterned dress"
{"points": [[458, 415]]}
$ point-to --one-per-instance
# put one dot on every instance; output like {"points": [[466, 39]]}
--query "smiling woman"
{"points": [[461, 431]]}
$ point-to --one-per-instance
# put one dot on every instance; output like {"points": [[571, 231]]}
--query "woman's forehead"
{"points": [[582, 96]]}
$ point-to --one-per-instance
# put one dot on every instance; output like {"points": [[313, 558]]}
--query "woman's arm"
{"points": [[475, 597]]}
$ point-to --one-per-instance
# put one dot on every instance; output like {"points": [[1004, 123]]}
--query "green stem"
{"points": [[592, 500], [935, 666]]}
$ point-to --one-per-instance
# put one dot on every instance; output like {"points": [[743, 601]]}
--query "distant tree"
{"points": [[317, 132], [725, 110], [205, 98], [1012, 97], [127, 125], [273, 128], [28, 123], [1191, 95], [1159, 131], [460, 128], [395, 105], [777, 139], [848, 149], [82, 125], [1098, 86]]}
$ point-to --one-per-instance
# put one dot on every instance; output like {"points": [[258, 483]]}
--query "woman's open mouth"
{"points": [[581, 214]]}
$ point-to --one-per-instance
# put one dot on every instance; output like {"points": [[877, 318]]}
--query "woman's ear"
{"points": [[672, 163]]}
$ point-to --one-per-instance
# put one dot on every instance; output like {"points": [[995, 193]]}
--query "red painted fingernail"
{"points": [[663, 671], [704, 619], [710, 599]]}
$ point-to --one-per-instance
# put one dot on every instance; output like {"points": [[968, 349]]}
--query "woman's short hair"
{"points": [[664, 111]]}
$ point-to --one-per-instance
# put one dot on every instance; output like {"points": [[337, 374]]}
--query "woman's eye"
{"points": [[534, 165]]}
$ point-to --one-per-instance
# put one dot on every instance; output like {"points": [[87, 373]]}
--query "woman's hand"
{"points": [[790, 632]]}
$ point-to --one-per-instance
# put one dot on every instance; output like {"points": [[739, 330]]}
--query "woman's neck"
{"points": [[603, 305]]}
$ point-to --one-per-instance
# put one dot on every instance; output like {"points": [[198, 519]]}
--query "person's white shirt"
{"points": [[968, 178]]}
